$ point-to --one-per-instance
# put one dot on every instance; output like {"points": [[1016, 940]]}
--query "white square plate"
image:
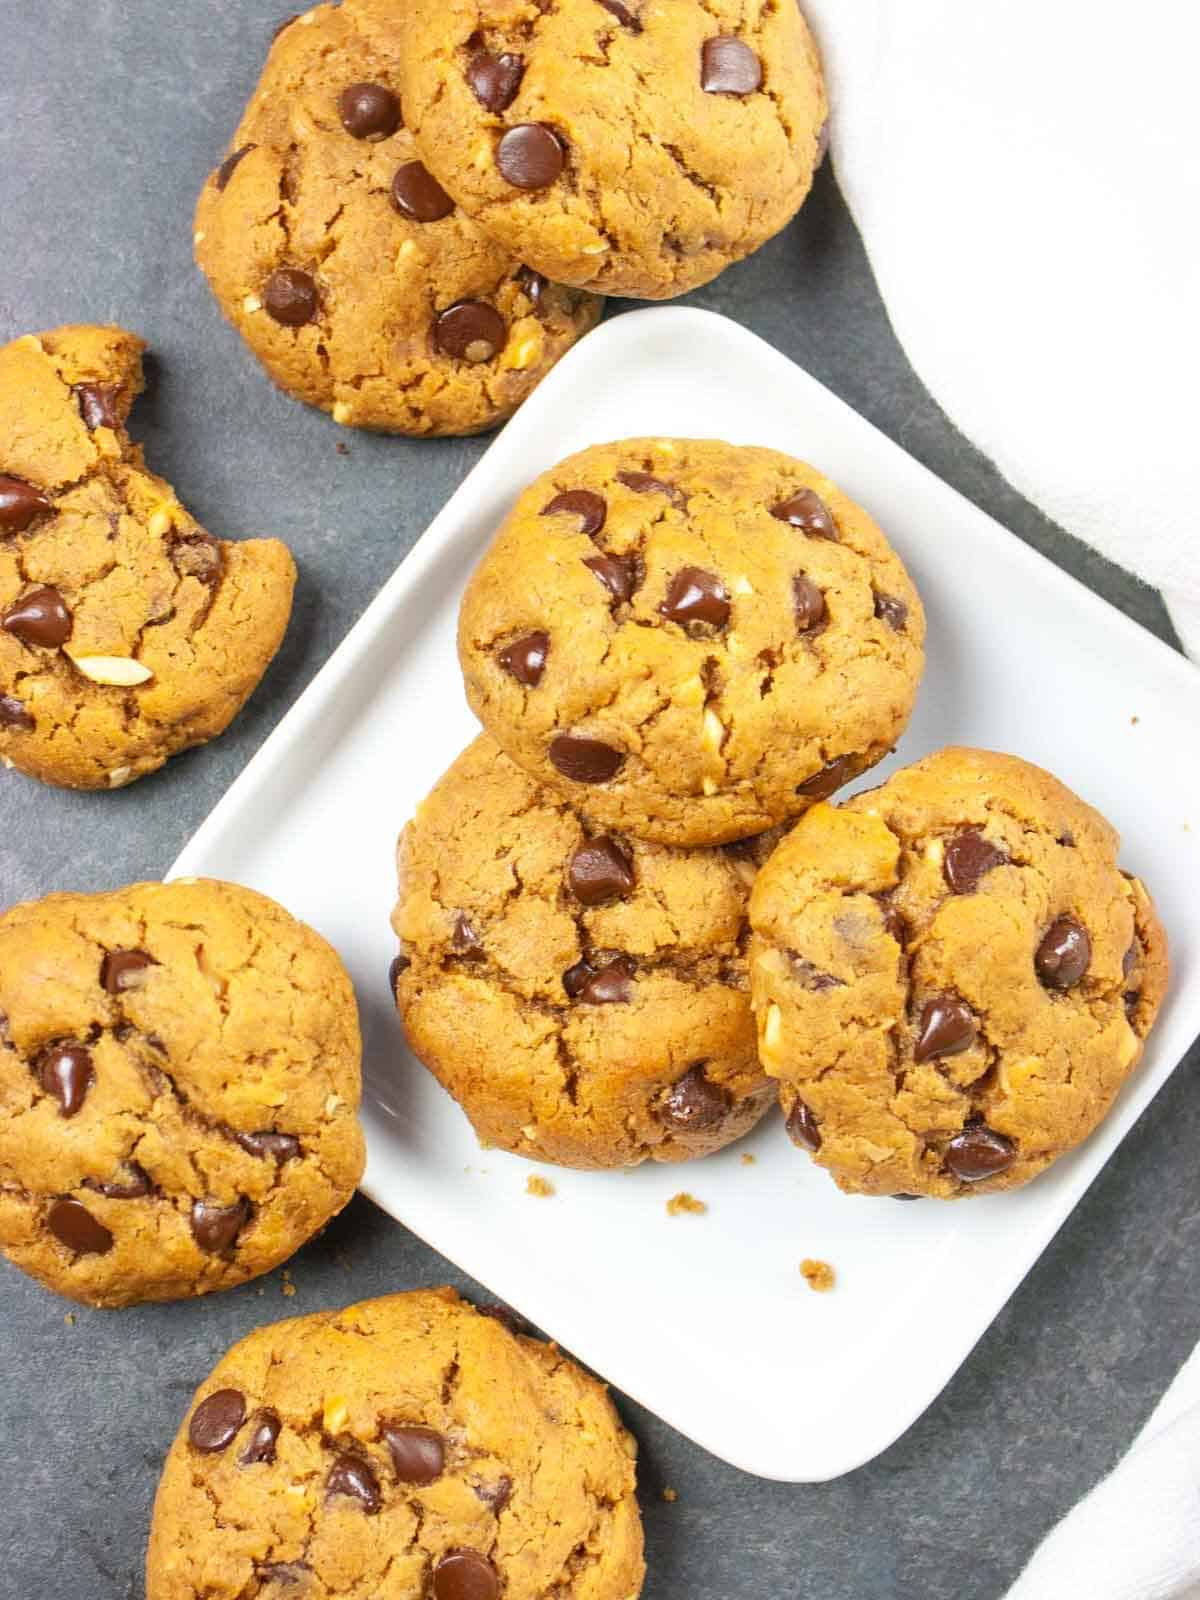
{"points": [[676, 1310]]}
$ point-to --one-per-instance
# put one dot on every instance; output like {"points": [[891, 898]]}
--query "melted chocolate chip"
{"points": [[584, 760], [1064, 954], [948, 1025], [284, 1574], [811, 977], [623, 15], [808, 602], [124, 969], [66, 1072], [729, 66], [1129, 959], [611, 984], [893, 922], [216, 1420], [135, 1187], [418, 1454], [967, 858], [526, 658], [695, 1101], [470, 330], [620, 575], [40, 617], [496, 1495], [694, 595], [591, 509], [802, 1127], [495, 79], [264, 1432], [979, 1152], [230, 165], [20, 504], [74, 1225], [416, 193], [465, 1575], [808, 512], [575, 979], [647, 483], [15, 714], [97, 405], [599, 871], [198, 557], [535, 286], [354, 1478], [905, 1197], [531, 156], [215, 1228], [830, 778], [270, 1146], [369, 111], [464, 940], [892, 611], [290, 296], [398, 964]]}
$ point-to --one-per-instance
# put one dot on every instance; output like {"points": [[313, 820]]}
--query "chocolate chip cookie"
{"points": [[952, 976], [127, 633], [635, 147], [582, 994], [179, 1082], [691, 640], [402, 1447], [347, 268]]}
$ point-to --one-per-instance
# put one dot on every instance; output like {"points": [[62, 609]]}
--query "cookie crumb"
{"points": [[288, 1287], [1134, 721], [670, 1495], [682, 1202], [819, 1275], [69, 1318], [342, 449], [538, 1186], [748, 1160]]}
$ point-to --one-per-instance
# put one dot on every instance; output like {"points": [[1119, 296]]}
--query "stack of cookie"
{"points": [[608, 955]]}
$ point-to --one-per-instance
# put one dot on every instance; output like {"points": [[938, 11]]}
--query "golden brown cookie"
{"points": [[402, 1448], [345, 266], [952, 976], [692, 640], [127, 633], [582, 994], [631, 146], [179, 1082]]}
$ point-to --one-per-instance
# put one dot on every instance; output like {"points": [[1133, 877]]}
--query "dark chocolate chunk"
{"points": [[830, 778], [269, 1145], [590, 508], [215, 1228], [695, 1101], [369, 111], [979, 1152], [264, 1432], [600, 870], [948, 1025], [290, 296], [525, 658], [729, 66], [611, 984], [892, 611], [20, 504], [40, 617], [470, 330], [584, 760], [495, 79], [1064, 954], [355, 1478], [808, 602], [465, 1575], [694, 595], [417, 194], [808, 512], [74, 1225], [229, 166], [15, 714], [531, 156], [802, 1127], [619, 575], [215, 1422], [418, 1454], [968, 857], [124, 969], [97, 405], [66, 1072]]}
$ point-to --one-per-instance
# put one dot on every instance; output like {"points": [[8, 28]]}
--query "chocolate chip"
{"points": [[811, 977], [892, 611], [135, 1187], [285, 1574], [802, 1127], [416, 193], [979, 1152], [808, 602], [20, 504], [620, 575], [369, 111], [526, 658], [1064, 954], [355, 1478], [623, 15], [269, 1145], [905, 1197], [695, 1101], [496, 1495], [575, 979], [398, 964], [39, 618], [74, 1225], [530, 156], [464, 941], [216, 1420], [611, 984], [66, 1072], [1129, 959], [124, 969], [97, 405], [967, 858], [893, 922], [494, 79], [830, 778], [230, 165], [14, 714], [199, 557], [507, 1318], [728, 66], [647, 483], [465, 1575], [215, 1228], [535, 286], [590, 508], [584, 760], [291, 297], [470, 330], [947, 1026], [694, 595], [264, 1431], [808, 512], [599, 871], [418, 1454]]}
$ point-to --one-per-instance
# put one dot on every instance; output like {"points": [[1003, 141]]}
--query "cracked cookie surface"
{"points": [[693, 640], [404, 1448], [179, 1083], [952, 976], [632, 146], [582, 994], [349, 272], [127, 633]]}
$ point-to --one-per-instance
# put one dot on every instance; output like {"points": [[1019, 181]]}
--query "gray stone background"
{"points": [[113, 113]]}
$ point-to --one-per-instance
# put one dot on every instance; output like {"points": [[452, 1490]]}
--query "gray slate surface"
{"points": [[114, 112]]}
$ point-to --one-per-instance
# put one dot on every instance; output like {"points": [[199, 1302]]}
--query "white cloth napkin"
{"points": [[1026, 177]]}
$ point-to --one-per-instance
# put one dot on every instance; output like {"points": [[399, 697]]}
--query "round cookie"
{"points": [[350, 273], [179, 1078], [408, 1446], [127, 633], [635, 147], [692, 640], [582, 994], [952, 976]]}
